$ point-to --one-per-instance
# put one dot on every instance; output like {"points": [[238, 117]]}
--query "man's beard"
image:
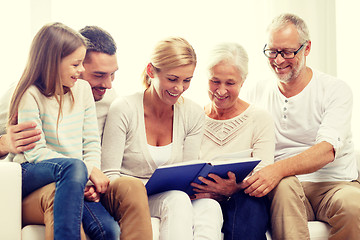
{"points": [[293, 74]]}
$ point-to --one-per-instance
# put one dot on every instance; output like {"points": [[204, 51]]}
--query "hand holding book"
{"points": [[180, 176], [216, 187]]}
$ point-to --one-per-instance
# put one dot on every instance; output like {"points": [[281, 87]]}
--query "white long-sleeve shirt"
{"points": [[320, 112]]}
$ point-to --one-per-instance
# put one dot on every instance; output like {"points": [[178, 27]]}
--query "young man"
{"points": [[314, 175], [125, 199]]}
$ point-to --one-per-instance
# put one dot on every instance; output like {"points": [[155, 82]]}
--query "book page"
{"points": [[241, 156], [191, 162]]}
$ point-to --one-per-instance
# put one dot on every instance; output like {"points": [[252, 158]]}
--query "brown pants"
{"points": [[125, 199], [294, 204]]}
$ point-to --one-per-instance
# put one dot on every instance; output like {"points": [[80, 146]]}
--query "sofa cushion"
{"points": [[31, 232]]}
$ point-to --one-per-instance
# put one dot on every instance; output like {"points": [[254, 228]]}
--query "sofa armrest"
{"points": [[10, 203]]}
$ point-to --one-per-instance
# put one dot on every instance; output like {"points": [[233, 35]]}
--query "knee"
{"points": [[76, 170], [207, 207], [287, 188], [347, 206], [175, 199], [128, 187]]}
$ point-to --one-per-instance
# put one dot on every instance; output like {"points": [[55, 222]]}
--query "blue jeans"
{"points": [[245, 217], [70, 176], [98, 223]]}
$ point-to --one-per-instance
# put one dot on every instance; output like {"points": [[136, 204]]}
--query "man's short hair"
{"points": [[99, 40]]}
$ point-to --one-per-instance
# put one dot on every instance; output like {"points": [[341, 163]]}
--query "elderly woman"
{"points": [[232, 125]]}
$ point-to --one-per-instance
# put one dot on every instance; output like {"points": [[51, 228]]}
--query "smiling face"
{"points": [[99, 71], [224, 85], [171, 83], [71, 67], [287, 38]]}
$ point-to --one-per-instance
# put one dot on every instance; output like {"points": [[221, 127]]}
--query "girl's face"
{"points": [[71, 67], [169, 84]]}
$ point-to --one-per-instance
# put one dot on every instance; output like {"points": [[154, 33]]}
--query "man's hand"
{"points": [[216, 189], [99, 179], [21, 137], [263, 181]]}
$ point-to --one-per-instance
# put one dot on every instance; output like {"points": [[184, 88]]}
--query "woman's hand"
{"points": [[218, 188], [99, 179]]}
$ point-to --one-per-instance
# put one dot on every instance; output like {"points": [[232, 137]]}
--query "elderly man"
{"points": [[314, 175]]}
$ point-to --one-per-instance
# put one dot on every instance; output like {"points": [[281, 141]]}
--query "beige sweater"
{"points": [[253, 129], [124, 146]]}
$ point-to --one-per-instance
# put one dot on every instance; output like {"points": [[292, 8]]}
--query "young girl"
{"points": [[68, 152]]}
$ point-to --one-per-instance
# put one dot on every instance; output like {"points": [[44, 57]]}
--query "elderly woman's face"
{"points": [[224, 85]]}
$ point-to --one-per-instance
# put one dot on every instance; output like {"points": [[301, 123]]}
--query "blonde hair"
{"points": [[50, 45], [170, 53]]}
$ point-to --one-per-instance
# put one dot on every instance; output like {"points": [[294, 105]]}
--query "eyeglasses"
{"points": [[270, 53]]}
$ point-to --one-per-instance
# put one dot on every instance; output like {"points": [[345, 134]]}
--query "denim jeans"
{"points": [[70, 176], [98, 223], [245, 217]]}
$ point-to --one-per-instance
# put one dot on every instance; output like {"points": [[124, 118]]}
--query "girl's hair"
{"points": [[232, 53], [50, 45], [170, 53]]}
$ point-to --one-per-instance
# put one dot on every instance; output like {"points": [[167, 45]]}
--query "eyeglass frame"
{"points": [[282, 52]]}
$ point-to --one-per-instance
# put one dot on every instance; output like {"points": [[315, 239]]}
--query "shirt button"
{"points": [[284, 116], [285, 108], [286, 100]]}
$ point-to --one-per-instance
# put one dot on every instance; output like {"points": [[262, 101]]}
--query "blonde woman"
{"points": [[159, 127]]}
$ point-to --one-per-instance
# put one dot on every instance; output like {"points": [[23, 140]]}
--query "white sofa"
{"points": [[10, 210]]}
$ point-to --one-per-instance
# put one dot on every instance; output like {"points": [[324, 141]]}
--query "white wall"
{"points": [[348, 43], [15, 27], [138, 24]]}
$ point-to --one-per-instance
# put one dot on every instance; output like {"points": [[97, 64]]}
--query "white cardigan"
{"points": [[124, 146]]}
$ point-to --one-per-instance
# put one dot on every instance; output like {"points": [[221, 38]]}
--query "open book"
{"points": [[180, 176]]}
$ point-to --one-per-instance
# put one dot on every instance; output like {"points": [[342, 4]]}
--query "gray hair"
{"points": [[231, 52], [284, 19]]}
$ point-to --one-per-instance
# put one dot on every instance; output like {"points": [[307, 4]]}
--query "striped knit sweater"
{"points": [[77, 134]]}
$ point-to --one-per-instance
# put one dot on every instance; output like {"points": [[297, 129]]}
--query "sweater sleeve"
{"points": [[195, 130], [91, 139], [114, 139], [29, 111], [263, 143]]}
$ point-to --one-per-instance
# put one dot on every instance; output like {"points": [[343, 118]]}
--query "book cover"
{"points": [[180, 176]]}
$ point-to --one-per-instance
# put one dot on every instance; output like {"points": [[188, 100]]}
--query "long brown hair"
{"points": [[50, 45]]}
